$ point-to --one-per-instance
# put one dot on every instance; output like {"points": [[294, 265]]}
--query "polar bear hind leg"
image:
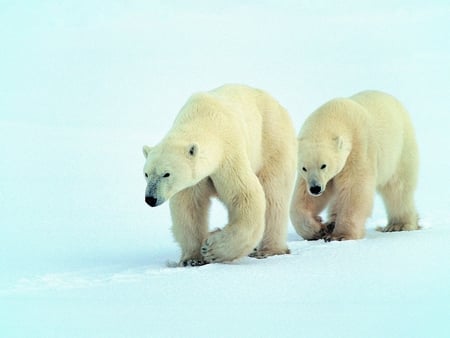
{"points": [[398, 198]]}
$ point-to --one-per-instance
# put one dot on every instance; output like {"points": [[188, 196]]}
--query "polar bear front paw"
{"points": [[264, 253], [220, 246], [341, 235], [325, 231], [311, 228], [331, 237], [192, 262], [207, 251]]}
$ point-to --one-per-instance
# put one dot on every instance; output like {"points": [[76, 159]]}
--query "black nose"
{"points": [[150, 200], [315, 190]]}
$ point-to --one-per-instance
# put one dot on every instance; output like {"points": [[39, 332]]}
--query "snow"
{"points": [[84, 85]]}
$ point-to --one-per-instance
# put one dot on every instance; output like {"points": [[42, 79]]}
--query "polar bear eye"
{"points": [[323, 166], [304, 169], [166, 175], [146, 175]]}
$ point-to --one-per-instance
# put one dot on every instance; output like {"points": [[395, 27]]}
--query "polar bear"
{"points": [[235, 143], [348, 149]]}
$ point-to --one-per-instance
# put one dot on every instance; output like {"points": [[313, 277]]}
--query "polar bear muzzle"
{"points": [[315, 189], [151, 201], [152, 197]]}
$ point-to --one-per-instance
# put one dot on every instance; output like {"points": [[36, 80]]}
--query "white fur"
{"points": [[348, 149], [236, 143]]}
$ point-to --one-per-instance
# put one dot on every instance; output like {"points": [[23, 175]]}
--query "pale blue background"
{"points": [[84, 84]]}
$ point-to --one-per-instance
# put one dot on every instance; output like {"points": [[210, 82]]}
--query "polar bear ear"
{"points": [[342, 143], [339, 142], [193, 149], [146, 150]]}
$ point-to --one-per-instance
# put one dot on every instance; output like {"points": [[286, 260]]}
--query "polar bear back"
{"points": [[391, 132], [240, 117]]}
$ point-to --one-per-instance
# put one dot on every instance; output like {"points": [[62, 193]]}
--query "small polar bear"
{"points": [[235, 143], [348, 149]]}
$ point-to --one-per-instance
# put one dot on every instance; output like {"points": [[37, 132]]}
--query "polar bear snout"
{"points": [[154, 201], [153, 195], [151, 201], [315, 189]]}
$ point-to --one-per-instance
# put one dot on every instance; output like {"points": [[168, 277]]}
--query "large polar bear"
{"points": [[238, 144], [348, 149]]}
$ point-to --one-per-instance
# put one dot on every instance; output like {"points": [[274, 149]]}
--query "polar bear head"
{"points": [[174, 165], [320, 161]]}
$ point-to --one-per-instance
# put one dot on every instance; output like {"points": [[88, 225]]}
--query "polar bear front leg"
{"points": [[277, 179], [244, 198], [305, 210], [189, 209], [351, 208]]}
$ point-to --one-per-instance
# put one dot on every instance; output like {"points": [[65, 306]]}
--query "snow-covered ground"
{"points": [[84, 85]]}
